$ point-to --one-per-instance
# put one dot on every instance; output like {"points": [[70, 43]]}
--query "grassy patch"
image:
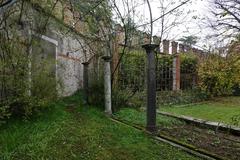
{"points": [[221, 144], [139, 118], [219, 109], [73, 131]]}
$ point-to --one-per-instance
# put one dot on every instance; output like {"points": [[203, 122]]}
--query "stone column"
{"points": [[28, 34], [176, 72], [151, 87], [107, 85], [181, 48], [187, 48], [29, 62], [176, 67], [174, 47], [195, 51], [85, 81], [166, 46]]}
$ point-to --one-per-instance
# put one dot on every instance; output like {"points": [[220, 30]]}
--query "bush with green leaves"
{"points": [[24, 91], [96, 93], [4, 114], [132, 72], [168, 98], [128, 98], [219, 75], [132, 80], [188, 62]]}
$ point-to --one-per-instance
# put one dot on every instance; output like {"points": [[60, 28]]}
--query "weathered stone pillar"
{"points": [[166, 46], [85, 81], [181, 48], [29, 62], [174, 47], [27, 32], [176, 67], [176, 72], [107, 85], [194, 50], [187, 48], [151, 87]]}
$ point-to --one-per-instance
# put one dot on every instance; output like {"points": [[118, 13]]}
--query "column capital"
{"points": [[85, 63], [152, 129], [149, 47], [107, 58]]}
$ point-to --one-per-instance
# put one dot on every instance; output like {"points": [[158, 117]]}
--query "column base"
{"points": [[152, 129]]}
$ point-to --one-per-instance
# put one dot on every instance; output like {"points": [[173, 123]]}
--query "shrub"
{"points": [[4, 114], [181, 97], [127, 98], [219, 75], [132, 71], [96, 93], [236, 90], [26, 92], [23, 103]]}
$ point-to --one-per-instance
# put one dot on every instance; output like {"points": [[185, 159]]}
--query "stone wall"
{"points": [[71, 49], [69, 66], [69, 56], [59, 32]]}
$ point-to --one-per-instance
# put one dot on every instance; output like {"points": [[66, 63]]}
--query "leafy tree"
{"points": [[219, 75], [189, 40]]}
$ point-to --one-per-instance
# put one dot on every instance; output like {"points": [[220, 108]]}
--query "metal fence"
{"points": [[164, 73], [132, 73]]}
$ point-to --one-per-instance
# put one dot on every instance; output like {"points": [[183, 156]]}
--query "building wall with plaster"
{"points": [[69, 56], [71, 50], [69, 66], [62, 36]]}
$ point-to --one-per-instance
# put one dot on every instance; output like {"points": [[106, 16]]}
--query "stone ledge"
{"points": [[204, 123]]}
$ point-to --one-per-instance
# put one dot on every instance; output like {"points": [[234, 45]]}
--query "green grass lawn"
{"points": [[219, 109], [73, 131], [139, 118]]}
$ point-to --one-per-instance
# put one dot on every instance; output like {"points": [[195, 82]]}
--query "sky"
{"points": [[190, 17]]}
